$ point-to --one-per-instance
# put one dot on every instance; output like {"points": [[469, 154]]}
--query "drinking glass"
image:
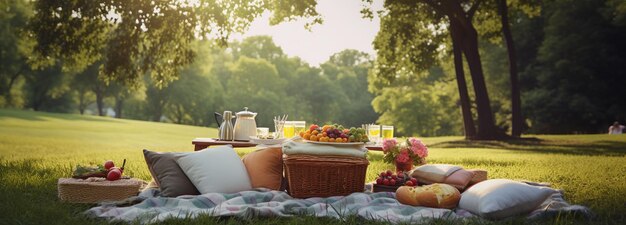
{"points": [[387, 131], [373, 132], [299, 126], [289, 129]]}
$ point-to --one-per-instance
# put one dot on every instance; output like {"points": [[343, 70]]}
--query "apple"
{"points": [[116, 168], [392, 182], [414, 180], [379, 181], [386, 181], [108, 164], [114, 174], [408, 183], [389, 173]]}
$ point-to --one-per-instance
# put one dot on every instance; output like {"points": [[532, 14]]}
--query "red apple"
{"points": [[114, 174], [386, 181], [392, 182], [408, 183], [389, 173], [117, 168], [108, 164], [414, 180], [379, 181]]}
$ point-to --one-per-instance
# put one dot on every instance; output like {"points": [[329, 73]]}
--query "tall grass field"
{"points": [[36, 149]]}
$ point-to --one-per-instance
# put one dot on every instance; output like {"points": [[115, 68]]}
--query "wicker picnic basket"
{"points": [[96, 189], [324, 176]]}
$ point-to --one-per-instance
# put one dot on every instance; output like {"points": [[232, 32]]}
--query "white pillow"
{"points": [[500, 198], [216, 170]]}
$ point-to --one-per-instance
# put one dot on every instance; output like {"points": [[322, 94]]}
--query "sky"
{"points": [[343, 28]]}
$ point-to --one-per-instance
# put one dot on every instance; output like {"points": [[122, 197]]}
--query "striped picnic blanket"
{"points": [[381, 206]]}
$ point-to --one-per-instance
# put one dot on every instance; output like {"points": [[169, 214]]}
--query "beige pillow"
{"points": [[501, 198], [434, 173], [265, 167]]}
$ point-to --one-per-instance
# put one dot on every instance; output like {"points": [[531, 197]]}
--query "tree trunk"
{"points": [[468, 121], [156, 116], [516, 103], [10, 86], [486, 128], [81, 102], [119, 103], [100, 103]]}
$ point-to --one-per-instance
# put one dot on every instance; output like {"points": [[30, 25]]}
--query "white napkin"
{"points": [[298, 147]]}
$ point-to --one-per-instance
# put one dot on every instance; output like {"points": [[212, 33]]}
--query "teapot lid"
{"points": [[246, 113]]}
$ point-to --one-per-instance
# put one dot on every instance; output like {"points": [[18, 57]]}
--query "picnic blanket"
{"points": [[381, 206]]}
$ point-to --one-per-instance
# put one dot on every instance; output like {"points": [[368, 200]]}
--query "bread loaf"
{"points": [[434, 196]]}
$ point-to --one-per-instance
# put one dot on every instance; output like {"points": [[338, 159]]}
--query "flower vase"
{"points": [[403, 167]]}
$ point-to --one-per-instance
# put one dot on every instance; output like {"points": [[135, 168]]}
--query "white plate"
{"points": [[336, 143], [259, 141]]}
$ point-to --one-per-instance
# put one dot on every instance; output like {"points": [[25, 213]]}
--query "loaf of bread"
{"points": [[434, 196]]}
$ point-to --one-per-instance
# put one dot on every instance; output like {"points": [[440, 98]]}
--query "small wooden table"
{"points": [[202, 143]]}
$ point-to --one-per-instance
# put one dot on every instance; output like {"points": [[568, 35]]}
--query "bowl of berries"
{"points": [[387, 181]]}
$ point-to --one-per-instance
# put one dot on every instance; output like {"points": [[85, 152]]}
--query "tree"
{"points": [[47, 89], [156, 36], [516, 103], [255, 84], [197, 93], [14, 47], [349, 70], [577, 89], [411, 34]]}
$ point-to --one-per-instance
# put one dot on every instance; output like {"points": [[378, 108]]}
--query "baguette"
{"points": [[434, 196]]}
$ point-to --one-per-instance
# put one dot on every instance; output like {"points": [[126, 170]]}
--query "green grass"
{"points": [[38, 148]]}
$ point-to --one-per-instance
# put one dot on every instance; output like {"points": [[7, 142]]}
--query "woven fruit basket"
{"points": [[324, 176], [96, 189]]}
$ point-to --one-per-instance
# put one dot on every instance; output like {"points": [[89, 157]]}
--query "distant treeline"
{"points": [[571, 72]]}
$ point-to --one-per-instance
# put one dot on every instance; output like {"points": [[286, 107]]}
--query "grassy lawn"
{"points": [[38, 148]]}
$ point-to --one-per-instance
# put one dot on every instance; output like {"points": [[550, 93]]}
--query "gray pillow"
{"points": [[168, 175]]}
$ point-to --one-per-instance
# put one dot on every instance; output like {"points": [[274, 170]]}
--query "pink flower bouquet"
{"points": [[412, 151]]}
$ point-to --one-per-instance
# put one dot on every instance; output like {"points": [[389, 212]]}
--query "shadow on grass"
{"points": [[43, 116], [536, 145]]}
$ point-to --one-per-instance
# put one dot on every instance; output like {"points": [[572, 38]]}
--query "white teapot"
{"points": [[245, 125]]}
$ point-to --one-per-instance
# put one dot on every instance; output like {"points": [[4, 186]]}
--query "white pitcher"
{"points": [[245, 125]]}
